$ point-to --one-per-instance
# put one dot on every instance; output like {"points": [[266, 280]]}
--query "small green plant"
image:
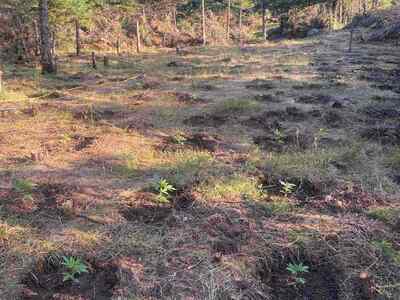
{"points": [[279, 136], [297, 270], [178, 139], [74, 268], [24, 187], [164, 189], [287, 187]]}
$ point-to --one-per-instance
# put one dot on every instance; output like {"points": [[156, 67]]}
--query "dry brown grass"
{"points": [[94, 151]]}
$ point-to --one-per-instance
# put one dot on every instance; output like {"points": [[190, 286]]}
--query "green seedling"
{"points": [[297, 270], [164, 189], [287, 187], [74, 268], [24, 187], [179, 139], [279, 136]]}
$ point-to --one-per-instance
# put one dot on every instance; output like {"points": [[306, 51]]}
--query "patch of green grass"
{"points": [[236, 106], [301, 164], [187, 167], [393, 160], [24, 187], [129, 166], [275, 208], [233, 187], [387, 250], [384, 214]]}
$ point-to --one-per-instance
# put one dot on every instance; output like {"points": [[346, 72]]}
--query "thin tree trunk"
{"points": [[264, 20], [228, 21], [37, 38], [240, 22], [138, 36], [1, 81], [174, 18], [77, 37], [203, 18], [53, 43], [47, 60], [351, 39], [94, 64]]}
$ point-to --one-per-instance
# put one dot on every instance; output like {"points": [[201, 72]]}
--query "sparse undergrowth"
{"points": [[219, 176]]}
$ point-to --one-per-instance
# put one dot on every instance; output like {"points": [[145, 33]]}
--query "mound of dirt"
{"points": [[321, 280], [303, 188], [260, 84], [316, 99], [354, 199], [90, 113], [333, 119], [284, 140], [385, 134], [83, 142], [267, 98], [199, 141], [45, 281], [381, 111]]}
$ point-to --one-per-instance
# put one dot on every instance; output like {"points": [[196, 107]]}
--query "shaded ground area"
{"points": [[211, 175]]}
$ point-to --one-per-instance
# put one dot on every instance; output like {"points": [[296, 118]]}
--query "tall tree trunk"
{"points": [[203, 19], [174, 18], [240, 22], [47, 60], [264, 19], [37, 38], [228, 21], [77, 37], [138, 36]]}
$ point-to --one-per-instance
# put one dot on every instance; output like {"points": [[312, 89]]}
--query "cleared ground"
{"points": [[278, 154]]}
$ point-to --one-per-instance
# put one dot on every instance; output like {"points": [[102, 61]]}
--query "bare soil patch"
{"points": [[205, 120]]}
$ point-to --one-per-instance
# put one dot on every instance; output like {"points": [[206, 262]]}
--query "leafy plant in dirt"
{"points": [[24, 187], [279, 136], [287, 187], [74, 267], [179, 139], [297, 271], [164, 189]]}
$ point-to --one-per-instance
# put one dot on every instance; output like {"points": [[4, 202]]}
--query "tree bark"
{"points": [[203, 19], [174, 18], [47, 60], [1, 81], [264, 20], [37, 38], [240, 22], [228, 21], [138, 46], [94, 64], [77, 37]]}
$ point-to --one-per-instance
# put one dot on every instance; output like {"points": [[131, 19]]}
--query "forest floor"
{"points": [[284, 157]]}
